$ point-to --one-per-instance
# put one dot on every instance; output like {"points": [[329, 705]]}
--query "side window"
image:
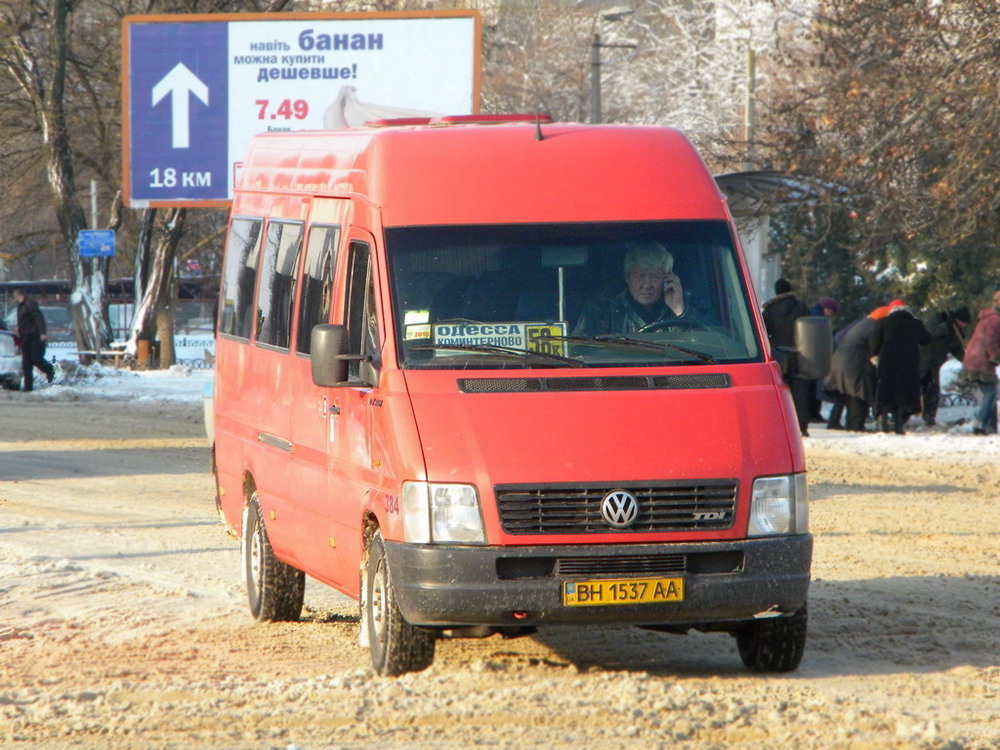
{"points": [[277, 284], [359, 313], [317, 282], [239, 277]]}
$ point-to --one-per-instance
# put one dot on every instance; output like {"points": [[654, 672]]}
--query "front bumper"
{"points": [[437, 585]]}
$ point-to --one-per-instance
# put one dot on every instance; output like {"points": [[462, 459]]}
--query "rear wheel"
{"points": [[773, 644], [396, 646], [274, 588]]}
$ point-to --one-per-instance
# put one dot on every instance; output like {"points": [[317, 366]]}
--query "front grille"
{"points": [[612, 565], [622, 564], [576, 509]]}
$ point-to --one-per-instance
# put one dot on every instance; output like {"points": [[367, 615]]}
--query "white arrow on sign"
{"points": [[180, 82]]}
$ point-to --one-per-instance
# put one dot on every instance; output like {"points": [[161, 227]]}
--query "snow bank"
{"points": [[75, 382]]}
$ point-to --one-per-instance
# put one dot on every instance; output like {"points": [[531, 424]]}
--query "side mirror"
{"points": [[327, 345], [814, 344]]}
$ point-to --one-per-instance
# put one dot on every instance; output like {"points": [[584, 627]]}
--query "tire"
{"points": [[275, 589], [773, 645], [396, 646]]}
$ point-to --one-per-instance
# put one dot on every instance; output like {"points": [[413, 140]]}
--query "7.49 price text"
{"points": [[285, 109]]}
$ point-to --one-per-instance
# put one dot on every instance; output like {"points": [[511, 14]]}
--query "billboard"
{"points": [[196, 88]]}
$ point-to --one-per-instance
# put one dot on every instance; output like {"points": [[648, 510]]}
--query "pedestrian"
{"points": [[837, 401], [947, 329], [979, 366], [33, 334], [827, 308], [780, 313], [896, 342], [852, 374]]}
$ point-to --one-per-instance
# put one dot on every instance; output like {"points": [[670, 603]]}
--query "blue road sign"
{"points": [[96, 243], [179, 112]]}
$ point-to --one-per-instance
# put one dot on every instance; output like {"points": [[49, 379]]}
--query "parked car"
{"points": [[58, 322], [10, 361]]}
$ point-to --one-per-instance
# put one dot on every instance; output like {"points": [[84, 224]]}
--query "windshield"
{"points": [[569, 295]]}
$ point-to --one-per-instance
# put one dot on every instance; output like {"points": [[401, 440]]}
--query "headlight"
{"points": [[442, 513], [779, 505]]}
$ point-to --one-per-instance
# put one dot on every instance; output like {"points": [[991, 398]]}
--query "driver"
{"points": [[653, 294]]}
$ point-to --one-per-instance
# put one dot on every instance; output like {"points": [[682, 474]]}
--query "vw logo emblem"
{"points": [[620, 508]]}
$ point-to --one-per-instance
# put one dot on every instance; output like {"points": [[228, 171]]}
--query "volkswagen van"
{"points": [[408, 410]]}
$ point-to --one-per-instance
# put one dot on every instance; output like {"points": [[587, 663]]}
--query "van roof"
{"points": [[448, 173]]}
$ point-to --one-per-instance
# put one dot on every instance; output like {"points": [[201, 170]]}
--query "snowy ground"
{"points": [[123, 621]]}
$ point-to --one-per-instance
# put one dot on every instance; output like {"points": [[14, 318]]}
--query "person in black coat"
{"points": [[33, 333], [780, 313], [852, 376], [946, 331], [896, 342]]}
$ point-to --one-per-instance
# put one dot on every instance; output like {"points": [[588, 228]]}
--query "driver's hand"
{"points": [[673, 293]]}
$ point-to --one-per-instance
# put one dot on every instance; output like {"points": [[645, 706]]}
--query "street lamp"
{"points": [[615, 14]]}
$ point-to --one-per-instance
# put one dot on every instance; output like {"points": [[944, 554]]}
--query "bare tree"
{"points": [[897, 104], [36, 52]]}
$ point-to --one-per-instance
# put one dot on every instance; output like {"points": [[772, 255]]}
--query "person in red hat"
{"points": [[896, 342]]}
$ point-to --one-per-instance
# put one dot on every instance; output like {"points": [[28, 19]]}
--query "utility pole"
{"points": [[749, 113], [93, 204], [595, 79], [615, 14]]}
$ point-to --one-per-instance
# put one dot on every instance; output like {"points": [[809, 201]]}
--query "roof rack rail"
{"points": [[397, 122], [488, 119]]}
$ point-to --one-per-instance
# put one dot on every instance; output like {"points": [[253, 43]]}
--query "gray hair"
{"points": [[647, 255]]}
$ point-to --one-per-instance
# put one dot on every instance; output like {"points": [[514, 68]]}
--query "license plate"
{"points": [[622, 591]]}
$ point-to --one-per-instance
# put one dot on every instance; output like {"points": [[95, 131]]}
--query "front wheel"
{"points": [[773, 644], [396, 645], [275, 589]]}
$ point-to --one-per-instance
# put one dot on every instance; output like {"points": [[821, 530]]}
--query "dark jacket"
{"points": [[780, 314], [896, 341], [620, 314], [983, 352], [30, 321], [945, 340], [851, 370]]}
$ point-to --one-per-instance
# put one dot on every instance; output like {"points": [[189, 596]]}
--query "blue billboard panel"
{"points": [[179, 112], [199, 87]]}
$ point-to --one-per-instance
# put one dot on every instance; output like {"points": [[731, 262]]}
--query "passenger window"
{"points": [[240, 278], [359, 314], [317, 282], [277, 284]]}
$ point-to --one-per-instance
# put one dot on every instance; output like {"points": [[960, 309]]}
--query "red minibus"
{"points": [[484, 375]]}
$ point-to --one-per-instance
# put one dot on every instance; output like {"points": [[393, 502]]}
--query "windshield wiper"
{"points": [[624, 342], [498, 350]]}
